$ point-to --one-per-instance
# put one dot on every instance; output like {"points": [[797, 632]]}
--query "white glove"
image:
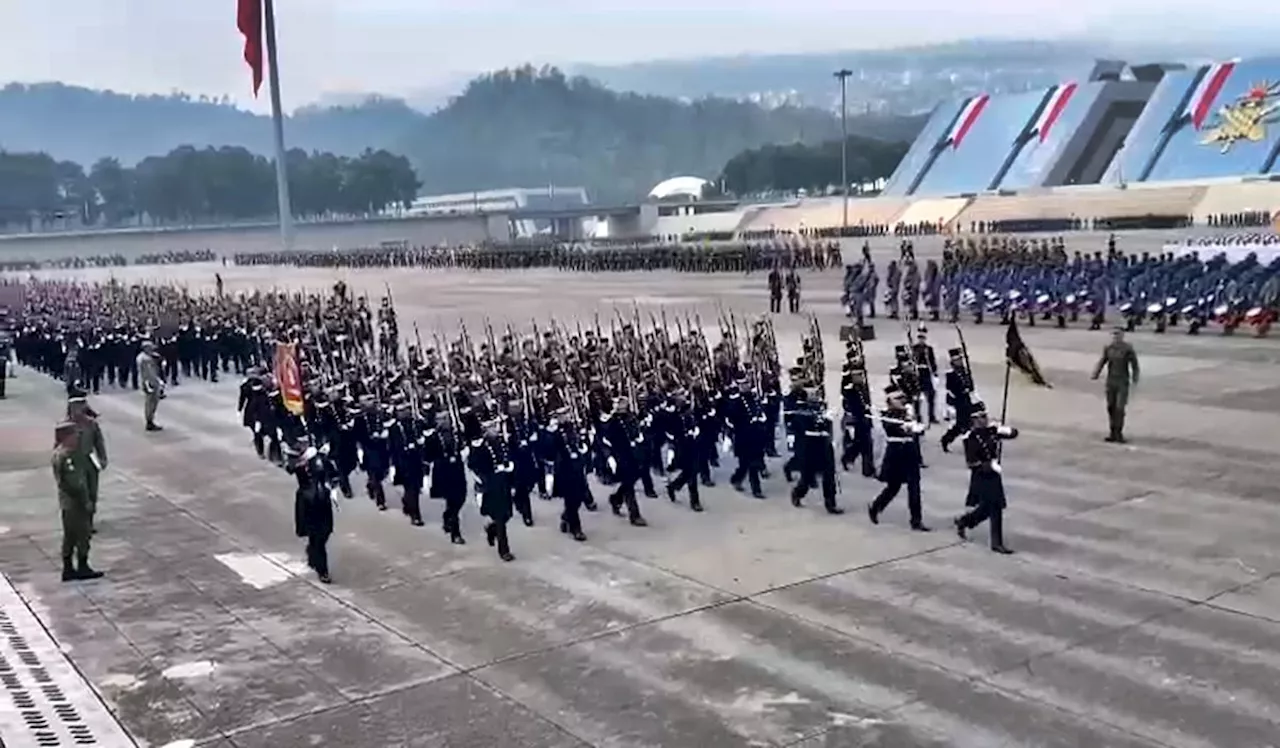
{"points": [[612, 463], [391, 475], [918, 428], [549, 483], [791, 441], [1004, 430], [995, 467]]}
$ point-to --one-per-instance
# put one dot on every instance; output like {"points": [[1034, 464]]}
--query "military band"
{"points": [[1036, 282]]}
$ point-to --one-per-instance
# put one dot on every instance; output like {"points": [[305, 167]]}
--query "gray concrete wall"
{"points": [[1094, 132], [227, 240]]}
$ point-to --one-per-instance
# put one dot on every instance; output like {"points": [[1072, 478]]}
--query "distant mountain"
{"points": [[898, 81], [82, 125], [524, 127]]}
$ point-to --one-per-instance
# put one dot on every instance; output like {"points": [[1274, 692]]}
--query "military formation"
{"points": [[594, 257], [335, 391], [92, 334], [79, 262], [1037, 282]]}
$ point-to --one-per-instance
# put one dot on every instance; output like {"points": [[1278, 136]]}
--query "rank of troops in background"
{"points": [[1039, 282], [597, 256]]}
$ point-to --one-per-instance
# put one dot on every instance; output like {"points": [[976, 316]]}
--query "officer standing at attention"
{"points": [[152, 384], [775, 290], [73, 500], [793, 291], [1121, 363], [91, 449]]}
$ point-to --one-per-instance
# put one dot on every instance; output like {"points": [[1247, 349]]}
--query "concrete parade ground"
{"points": [[1142, 607]]}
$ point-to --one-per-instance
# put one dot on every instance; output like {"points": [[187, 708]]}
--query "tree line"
{"points": [[192, 185], [790, 168]]}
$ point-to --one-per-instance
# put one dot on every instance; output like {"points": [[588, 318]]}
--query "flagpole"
{"points": [[277, 124]]}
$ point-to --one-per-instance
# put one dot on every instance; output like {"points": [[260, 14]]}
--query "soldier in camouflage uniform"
{"points": [[73, 501]]}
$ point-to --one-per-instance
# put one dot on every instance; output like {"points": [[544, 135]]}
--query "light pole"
{"points": [[843, 75]]}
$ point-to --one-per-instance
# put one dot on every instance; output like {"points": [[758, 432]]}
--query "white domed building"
{"points": [[679, 189]]}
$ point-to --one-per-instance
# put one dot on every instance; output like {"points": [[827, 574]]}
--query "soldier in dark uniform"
{"points": [[492, 465], [443, 450], [900, 465], [624, 439], [372, 434], [959, 386], [407, 455], [522, 446], [817, 457], [775, 290], [1121, 363], [986, 486], [926, 370], [683, 436], [313, 504], [568, 455], [742, 409], [857, 443], [793, 291]]}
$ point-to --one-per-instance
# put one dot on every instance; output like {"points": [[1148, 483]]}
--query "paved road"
{"points": [[1143, 607]]}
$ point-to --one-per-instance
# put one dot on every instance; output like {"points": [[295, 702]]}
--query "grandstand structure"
{"points": [[1128, 146]]}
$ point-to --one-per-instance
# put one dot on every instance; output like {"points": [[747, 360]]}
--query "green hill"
{"points": [[523, 127]]}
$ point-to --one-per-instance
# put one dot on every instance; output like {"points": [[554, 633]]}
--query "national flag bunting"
{"points": [[1200, 105], [1019, 356], [249, 21], [289, 377], [964, 122], [1053, 108]]}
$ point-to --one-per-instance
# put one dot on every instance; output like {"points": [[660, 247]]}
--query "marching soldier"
{"points": [[493, 467], [443, 450], [313, 503], [900, 465], [986, 486], [73, 501], [817, 457], [625, 441], [743, 412], [406, 446], [1121, 363], [960, 394], [926, 370]]}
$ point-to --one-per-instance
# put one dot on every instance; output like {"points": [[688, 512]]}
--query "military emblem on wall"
{"points": [[1246, 118]]}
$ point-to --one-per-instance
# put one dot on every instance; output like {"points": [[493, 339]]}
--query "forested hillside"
{"points": [[523, 127]]}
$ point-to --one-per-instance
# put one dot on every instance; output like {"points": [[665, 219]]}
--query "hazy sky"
{"points": [[398, 46]]}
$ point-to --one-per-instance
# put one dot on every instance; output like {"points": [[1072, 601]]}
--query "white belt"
{"points": [[900, 439], [816, 433]]}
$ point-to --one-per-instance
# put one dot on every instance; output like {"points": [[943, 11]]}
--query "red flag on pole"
{"points": [[249, 21]]}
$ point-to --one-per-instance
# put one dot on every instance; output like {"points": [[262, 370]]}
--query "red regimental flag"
{"points": [[289, 377], [249, 21]]}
